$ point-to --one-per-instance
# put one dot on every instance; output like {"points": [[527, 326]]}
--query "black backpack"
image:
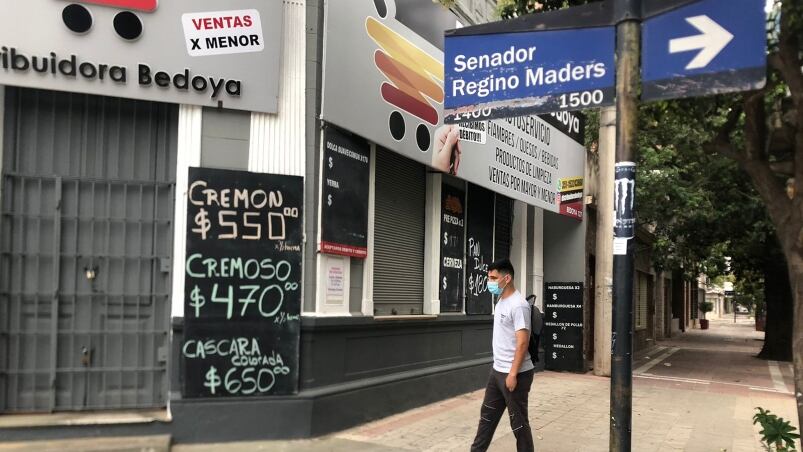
{"points": [[536, 325]]}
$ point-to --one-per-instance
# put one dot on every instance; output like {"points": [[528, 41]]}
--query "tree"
{"points": [[763, 133], [703, 208]]}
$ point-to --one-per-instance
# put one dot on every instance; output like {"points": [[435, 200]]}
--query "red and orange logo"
{"points": [[78, 18], [414, 80], [135, 5]]}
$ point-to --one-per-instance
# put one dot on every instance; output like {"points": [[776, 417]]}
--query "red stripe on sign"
{"points": [[343, 250], [408, 103], [136, 5]]}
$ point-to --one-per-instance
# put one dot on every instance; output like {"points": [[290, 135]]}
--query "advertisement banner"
{"points": [[177, 51], [384, 82]]}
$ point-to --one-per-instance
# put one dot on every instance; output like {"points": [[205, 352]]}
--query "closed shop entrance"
{"points": [[88, 188]]}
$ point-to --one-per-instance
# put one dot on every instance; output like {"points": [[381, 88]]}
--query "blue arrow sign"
{"points": [[707, 47], [513, 74]]}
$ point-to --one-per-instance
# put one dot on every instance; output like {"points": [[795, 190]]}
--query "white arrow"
{"points": [[713, 39]]}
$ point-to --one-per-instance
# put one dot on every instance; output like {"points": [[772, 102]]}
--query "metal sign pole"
{"points": [[628, 34]]}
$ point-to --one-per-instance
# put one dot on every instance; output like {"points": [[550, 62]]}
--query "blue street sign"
{"points": [[512, 74], [707, 47]]}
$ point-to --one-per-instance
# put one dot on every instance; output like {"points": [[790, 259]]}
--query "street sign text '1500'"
{"points": [[523, 73]]}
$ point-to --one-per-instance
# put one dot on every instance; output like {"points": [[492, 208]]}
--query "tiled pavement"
{"points": [[693, 393]]}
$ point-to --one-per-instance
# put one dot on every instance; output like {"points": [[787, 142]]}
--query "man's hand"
{"points": [[510, 382], [447, 148]]}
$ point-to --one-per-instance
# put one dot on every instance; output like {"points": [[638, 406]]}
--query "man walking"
{"points": [[512, 373]]}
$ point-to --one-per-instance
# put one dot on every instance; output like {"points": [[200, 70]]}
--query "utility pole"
{"points": [[628, 49], [604, 256]]}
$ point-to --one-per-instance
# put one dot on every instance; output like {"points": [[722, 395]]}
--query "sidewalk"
{"points": [[697, 393]]}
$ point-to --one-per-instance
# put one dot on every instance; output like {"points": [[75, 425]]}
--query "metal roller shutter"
{"points": [[86, 237], [398, 235], [642, 296], [503, 227]]}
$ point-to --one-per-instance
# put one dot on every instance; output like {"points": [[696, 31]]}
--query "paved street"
{"points": [[694, 393]]}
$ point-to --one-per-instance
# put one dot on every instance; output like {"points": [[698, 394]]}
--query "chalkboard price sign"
{"points": [[242, 298], [563, 326], [452, 246], [344, 207], [479, 249]]}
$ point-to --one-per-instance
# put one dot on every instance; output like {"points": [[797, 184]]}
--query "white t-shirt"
{"points": [[512, 314]]}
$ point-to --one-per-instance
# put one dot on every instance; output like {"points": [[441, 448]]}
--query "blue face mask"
{"points": [[493, 287]]}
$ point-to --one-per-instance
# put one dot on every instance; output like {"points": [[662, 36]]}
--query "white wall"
{"points": [[188, 154], [519, 246], [276, 142], [536, 274]]}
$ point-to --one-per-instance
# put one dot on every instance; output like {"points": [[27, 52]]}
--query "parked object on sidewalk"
{"points": [[777, 434], [705, 307], [761, 323], [537, 325]]}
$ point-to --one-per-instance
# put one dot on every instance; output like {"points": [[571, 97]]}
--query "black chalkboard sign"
{"points": [[344, 207], [242, 296], [452, 247], [563, 326], [479, 249]]}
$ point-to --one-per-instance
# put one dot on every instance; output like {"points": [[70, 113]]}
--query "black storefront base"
{"points": [[312, 413], [320, 411], [452, 357]]}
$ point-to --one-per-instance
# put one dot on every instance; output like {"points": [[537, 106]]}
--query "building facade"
{"points": [[168, 126]]}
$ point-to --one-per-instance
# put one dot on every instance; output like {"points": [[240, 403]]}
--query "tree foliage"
{"points": [[700, 204], [509, 9]]}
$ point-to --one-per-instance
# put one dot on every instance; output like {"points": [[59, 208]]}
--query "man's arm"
{"points": [[522, 343]]}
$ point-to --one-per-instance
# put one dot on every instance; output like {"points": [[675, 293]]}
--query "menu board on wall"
{"points": [[479, 249], [563, 326], [344, 206], [452, 248], [242, 296]]}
